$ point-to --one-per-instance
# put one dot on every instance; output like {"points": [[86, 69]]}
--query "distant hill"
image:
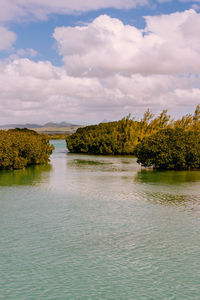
{"points": [[10, 126], [48, 128], [29, 125], [59, 125]]}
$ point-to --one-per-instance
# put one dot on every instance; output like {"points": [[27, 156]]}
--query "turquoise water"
{"points": [[89, 227]]}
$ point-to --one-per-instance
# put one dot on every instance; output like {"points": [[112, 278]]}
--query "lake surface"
{"points": [[96, 227]]}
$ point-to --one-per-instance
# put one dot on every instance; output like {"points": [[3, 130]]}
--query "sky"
{"points": [[88, 61]]}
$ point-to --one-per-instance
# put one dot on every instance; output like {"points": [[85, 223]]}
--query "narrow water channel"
{"points": [[96, 227]]}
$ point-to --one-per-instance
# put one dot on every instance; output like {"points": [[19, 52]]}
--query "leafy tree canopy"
{"points": [[172, 148], [22, 147], [121, 137]]}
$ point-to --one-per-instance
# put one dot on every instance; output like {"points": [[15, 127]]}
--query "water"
{"points": [[89, 227]]}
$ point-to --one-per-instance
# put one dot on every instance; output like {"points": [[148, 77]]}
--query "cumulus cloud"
{"points": [[196, 7], [170, 44], [28, 52], [110, 69], [7, 38], [40, 9], [39, 91]]}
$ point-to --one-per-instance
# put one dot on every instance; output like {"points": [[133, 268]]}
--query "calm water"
{"points": [[91, 227]]}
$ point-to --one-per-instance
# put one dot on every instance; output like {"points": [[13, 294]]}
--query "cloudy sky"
{"points": [[86, 61]]}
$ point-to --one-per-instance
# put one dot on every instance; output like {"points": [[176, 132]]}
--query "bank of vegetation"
{"points": [[22, 147], [59, 136], [160, 142]]}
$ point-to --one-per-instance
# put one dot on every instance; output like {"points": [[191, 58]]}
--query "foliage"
{"points": [[22, 147], [172, 148], [121, 137], [59, 136], [105, 138]]}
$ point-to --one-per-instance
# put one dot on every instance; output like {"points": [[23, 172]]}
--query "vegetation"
{"points": [[116, 138], [22, 147], [172, 148], [160, 142], [55, 136], [121, 137], [55, 129]]}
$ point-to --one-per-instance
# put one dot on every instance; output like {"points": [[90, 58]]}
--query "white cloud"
{"points": [[7, 38], [110, 70], [40, 92], [40, 9], [29, 52], [170, 44], [196, 7]]}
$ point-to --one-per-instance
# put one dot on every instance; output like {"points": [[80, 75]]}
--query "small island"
{"points": [[159, 142], [23, 147]]}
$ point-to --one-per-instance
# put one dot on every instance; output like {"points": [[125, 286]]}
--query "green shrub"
{"points": [[22, 147], [121, 137], [173, 148]]}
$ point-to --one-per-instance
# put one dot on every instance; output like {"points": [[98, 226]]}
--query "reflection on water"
{"points": [[179, 188], [123, 178], [167, 177], [83, 162], [102, 163], [188, 201], [28, 176]]}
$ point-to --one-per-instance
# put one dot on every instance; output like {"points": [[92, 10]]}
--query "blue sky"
{"points": [[37, 34], [40, 37]]}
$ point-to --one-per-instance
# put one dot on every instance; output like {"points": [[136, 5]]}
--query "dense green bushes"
{"points": [[22, 147], [104, 138], [116, 138], [170, 149], [160, 142], [122, 136]]}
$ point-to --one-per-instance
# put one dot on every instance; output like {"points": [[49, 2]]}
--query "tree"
{"points": [[172, 148], [121, 137], [22, 147]]}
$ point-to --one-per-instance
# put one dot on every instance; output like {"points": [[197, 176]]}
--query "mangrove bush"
{"points": [[172, 148], [22, 147], [121, 137]]}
